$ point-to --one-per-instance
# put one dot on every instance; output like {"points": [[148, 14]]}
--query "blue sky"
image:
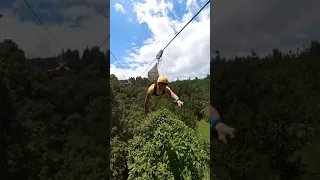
{"points": [[77, 24], [48, 12], [73, 23], [123, 32], [52, 14], [126, 30], [6, 4]]}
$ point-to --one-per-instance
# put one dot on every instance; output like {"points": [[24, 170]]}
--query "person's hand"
{"points": [[224, 131], [180, 103]]}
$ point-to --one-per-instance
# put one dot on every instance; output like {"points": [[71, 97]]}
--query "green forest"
{"points": [[273, 102], [54, 122], [171, 142], [59, 117], [66, 117]]}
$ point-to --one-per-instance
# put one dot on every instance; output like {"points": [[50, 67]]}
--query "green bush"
{"points": [[166, 148]]}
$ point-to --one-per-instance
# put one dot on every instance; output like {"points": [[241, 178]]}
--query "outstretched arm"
{"points": [[214, 117], [172, 94], [175, 97], [222, 129], [146, 100]]}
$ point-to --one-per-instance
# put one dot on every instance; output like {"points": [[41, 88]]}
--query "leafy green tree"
{"points": [[271, 101], [54, 124], [165, 148]]}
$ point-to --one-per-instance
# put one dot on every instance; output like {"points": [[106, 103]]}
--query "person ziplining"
{"points": [[159, 88], [160, 83]]}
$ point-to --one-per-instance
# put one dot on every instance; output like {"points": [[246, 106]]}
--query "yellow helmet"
{"points": [[163, 79]]}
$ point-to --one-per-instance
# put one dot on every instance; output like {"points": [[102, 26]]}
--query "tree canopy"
{"points": [[273, 101], [70, 124], [60, 119], [54, 124], [167, 143]]}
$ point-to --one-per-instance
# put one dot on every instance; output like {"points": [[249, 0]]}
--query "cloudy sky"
{"points": [[237, 26], [140, 29], [73, 23]]}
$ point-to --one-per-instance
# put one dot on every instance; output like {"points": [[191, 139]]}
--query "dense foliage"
{"points": [[165, 144], [57, 123], [165, 148], [54, 124], [274, 103]]}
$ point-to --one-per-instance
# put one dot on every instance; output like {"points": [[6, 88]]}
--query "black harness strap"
{"points": [[155, 91]]}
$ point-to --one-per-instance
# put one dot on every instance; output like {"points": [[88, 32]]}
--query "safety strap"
{"points": [[153, 74], [155, 90]]}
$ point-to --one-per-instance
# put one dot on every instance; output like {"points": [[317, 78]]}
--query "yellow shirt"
{"points": [[159, 92]]}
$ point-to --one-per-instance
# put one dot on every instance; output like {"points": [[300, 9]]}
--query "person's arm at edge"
{"points": [[172, 94], [146, 100], [215, 117], [223, 130]]}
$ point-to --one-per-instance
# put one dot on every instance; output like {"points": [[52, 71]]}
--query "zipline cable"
{"points": [[187, 24], [119, 63], [41, 23], [161, 52], [104, 40], [48, 31]]}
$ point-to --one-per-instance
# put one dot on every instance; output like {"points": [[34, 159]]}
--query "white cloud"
{"points": [[75, 11], [188, 56], [35, 41], [119, 8], [192, 5], [300, 36]]}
